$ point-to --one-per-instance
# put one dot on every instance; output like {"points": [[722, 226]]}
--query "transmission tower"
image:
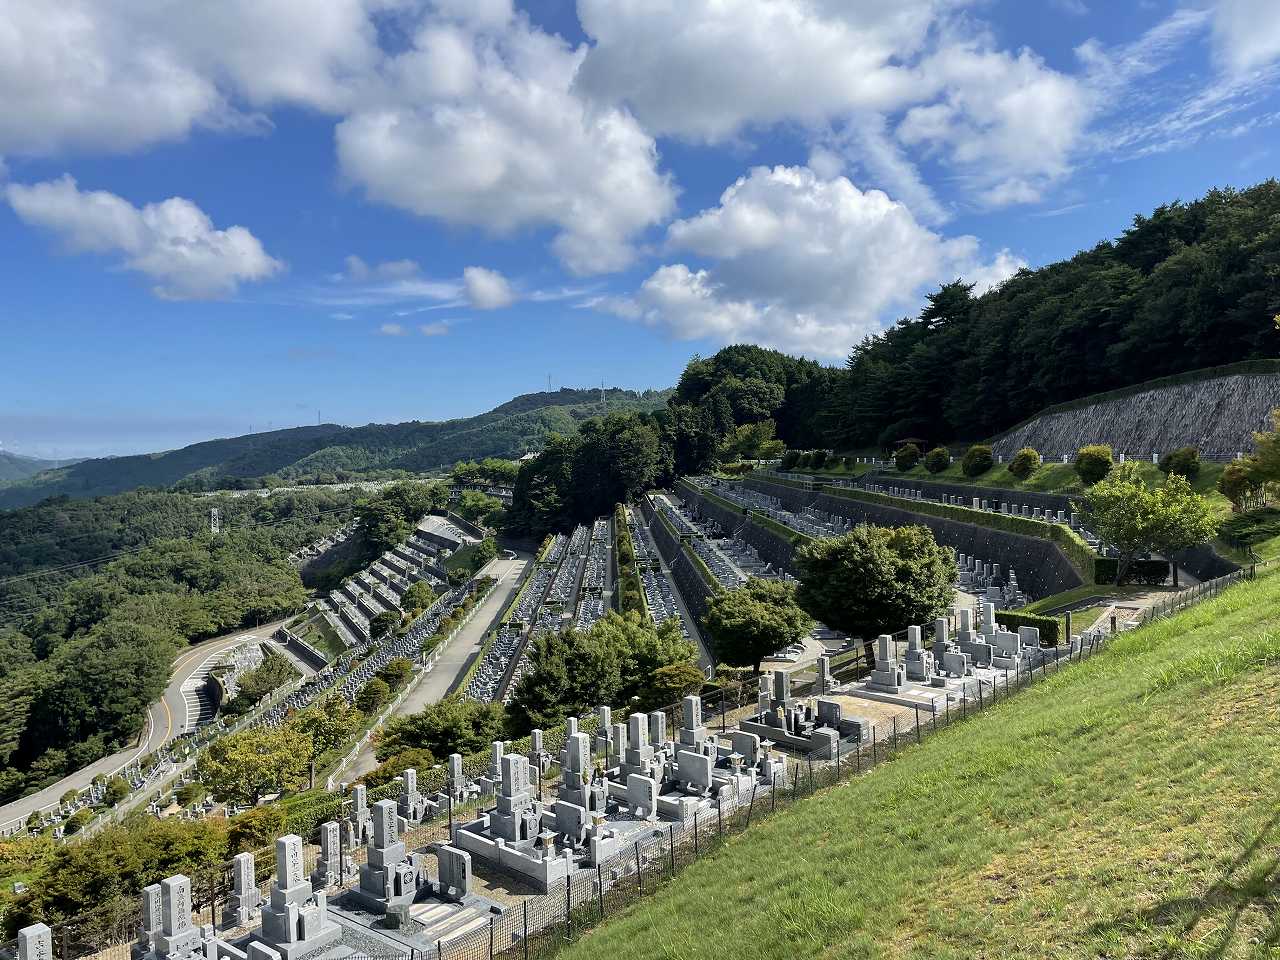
{"points": [[215, 520]]}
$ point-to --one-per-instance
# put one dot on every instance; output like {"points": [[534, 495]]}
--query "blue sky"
{"points": [[258, 211]]}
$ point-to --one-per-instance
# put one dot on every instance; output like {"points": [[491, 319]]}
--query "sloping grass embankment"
{"points": [[1126, 807]]}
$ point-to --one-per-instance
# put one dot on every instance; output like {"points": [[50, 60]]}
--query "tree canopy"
{"points": [[875, 580], [1135, 518], [747, 624]]}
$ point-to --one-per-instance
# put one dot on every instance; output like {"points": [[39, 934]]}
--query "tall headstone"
{"points": [[412, 805], [296, 920], [245, 903], [35, 942], [392, 877], [692, 730], [889, 676], [824, 683], [329, 866]]}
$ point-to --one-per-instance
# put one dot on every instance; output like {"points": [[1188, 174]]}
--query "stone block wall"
{"points": [[1042, 568], [1219, 416]]}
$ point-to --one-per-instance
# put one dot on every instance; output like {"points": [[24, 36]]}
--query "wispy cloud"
{"points": [[391, 330]]}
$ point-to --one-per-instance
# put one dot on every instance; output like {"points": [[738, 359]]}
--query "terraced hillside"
{"points": [[1123, 808]]}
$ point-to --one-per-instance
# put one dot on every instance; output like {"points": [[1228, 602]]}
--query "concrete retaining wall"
{"points": [[1042, 568]]}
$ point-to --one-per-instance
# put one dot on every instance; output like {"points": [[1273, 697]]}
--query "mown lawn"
{"points": [[1127, 807]]}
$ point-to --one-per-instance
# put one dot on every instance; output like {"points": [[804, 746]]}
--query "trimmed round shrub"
{"points": [[819, 459], [790, 459], [977, 460], [804, 461], [906, 456], [1184, 462], [1093, 463], [937, 459], [1024, 462]]}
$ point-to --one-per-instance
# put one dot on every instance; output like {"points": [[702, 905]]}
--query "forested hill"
{"points": [[329, 453], [1192, 285], [14, 466]]}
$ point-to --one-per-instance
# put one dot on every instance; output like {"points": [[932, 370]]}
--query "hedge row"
{"points": [[794, 537], [1154, 572], [1050, 627], [1076, 550]]}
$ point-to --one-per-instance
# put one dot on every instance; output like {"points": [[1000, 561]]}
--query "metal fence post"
{"points": [[916, 707], [639, 871], [568, 907], [525, 938], [600, 888], [695, 834]]}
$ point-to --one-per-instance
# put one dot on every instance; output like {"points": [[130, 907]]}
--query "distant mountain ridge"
{"points": [[516, 427], [19, 466]]}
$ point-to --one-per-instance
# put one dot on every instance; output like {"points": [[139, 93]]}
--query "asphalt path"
{"points": [[166, 720], [458, 656]]}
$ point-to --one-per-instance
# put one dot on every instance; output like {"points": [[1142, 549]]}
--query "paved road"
{"points": [[166, 720], [457, 657]]}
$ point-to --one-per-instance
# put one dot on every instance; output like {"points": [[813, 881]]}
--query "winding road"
{"points": [[168, 718]]}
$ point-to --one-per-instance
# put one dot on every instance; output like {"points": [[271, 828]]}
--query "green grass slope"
{"points": [[509, 430], [1126, 807]]}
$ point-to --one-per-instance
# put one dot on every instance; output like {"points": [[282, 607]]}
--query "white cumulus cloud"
{"points": [[802, 263], [487, 289], [101, 74], [173, 242], [1246, 33], [478, 125]]}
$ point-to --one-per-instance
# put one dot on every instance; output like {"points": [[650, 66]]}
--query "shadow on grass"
{"points": [[1240, 887]]}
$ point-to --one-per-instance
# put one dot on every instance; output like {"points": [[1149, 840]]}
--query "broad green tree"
{"points": [[875, 580], [1135, 518], [244, 767], [327, 724], [747, 624]]}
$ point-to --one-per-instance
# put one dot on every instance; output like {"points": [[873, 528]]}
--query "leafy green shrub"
{"points": [[1185, 462], [937, 459], [804, 461], [1093, 463], [818, 460], [1239, 482], [1050, 627], [906, 456], [789, 459], [977, 460], [76, 822], [1024, 463], [117, 789]]}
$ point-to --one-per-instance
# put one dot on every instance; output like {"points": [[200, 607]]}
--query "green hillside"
{"points": [[1125, 807], [329, 452], [15, 466]]}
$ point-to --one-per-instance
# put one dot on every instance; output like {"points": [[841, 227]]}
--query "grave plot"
{"points": [[613, 789]]}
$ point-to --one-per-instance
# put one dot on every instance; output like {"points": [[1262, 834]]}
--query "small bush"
{"points": [[977, 460], [1050, 627], [1093, 463], [76, 822], [819, 459], [937, 459], [789, 459], [1024, 463], [1184, 462], [906, 456], [804, 461]]}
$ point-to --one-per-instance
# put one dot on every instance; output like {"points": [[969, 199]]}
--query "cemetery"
{"points": [[374, 886]]}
